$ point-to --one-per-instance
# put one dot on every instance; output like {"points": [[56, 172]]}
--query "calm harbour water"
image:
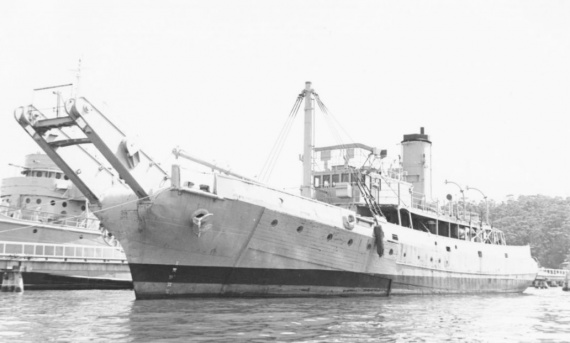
{"points": [[87, 316]]}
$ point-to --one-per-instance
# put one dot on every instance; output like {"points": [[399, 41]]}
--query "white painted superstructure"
{"points": [[47, 231]]}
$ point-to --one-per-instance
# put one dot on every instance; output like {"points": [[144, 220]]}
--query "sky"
{"points": [[489, 80]]}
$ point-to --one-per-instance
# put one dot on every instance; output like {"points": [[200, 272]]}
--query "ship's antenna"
{"points": [[77, 80]]}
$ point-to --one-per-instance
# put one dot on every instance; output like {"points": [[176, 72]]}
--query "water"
{"points": [[93, 316]]}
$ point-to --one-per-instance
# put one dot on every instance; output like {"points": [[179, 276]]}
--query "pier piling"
{"points": [[12, 280]]}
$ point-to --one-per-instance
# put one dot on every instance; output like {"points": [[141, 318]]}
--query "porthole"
{"points": [[300, 229], [52, 202], [350, 241], [329, 237], [418, 257], [435, 243], [27, 200], [83, 207], [38, 201], [456, 247], [431, 259], [35, 231], [64, 204], [274, 222], [65, 177], [391, 252], [404, 254], [369, 246], [439, 261]]}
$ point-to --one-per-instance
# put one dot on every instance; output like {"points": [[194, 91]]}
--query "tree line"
{"points": [[540, 221]]}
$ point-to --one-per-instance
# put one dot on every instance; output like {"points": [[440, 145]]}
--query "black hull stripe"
{"points": [[149, 273], [256, 276], [44, 281]]}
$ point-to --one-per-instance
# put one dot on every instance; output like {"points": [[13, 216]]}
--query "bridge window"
{"points": [[326, 180], [65, 177], [335, 179], [317, 181], [58, 176], [39, 174], [345, 178]]}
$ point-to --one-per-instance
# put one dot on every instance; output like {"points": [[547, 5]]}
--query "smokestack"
{"points": [[421, 130]]}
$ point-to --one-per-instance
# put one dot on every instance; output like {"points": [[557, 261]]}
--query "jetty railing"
{"points": [[59, 251], [552, 274]]}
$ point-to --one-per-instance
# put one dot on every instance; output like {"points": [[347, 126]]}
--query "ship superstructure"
{"points": [[356, 229], [48, 231]]}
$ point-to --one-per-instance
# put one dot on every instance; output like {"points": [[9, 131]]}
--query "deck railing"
{"points": [[59, 251], [49, 218]]}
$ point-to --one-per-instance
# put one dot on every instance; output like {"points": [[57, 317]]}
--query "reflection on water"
{"points": [[77, 316]]}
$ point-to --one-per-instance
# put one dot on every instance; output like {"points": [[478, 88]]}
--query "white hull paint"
{"points": [[61, 257], [255, 228]]}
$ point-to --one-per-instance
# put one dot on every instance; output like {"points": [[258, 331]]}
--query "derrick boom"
{"points": [[94, 153]]}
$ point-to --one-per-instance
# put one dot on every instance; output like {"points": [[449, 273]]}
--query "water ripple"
{"points": [[102, 316]]}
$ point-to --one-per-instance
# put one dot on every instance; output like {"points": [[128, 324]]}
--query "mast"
{"points": [[307, 189]]}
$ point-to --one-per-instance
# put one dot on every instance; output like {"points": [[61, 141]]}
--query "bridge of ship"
{"points": [[337, 170]]}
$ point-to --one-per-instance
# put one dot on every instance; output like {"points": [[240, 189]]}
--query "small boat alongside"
{"points": [[49, 235], [356, 228]]}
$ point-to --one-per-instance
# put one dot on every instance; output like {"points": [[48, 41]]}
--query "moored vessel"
{"points": [[49, 235], [356, 228]]}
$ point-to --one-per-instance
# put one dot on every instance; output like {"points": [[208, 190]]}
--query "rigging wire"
{"points": [[275, 151], [371, 202]]}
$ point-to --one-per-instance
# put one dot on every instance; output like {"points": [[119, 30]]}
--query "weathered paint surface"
{"points": [[266, 233]]}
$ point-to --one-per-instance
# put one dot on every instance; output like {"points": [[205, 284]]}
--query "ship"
{"points": [[356, 228], [48, 233]]}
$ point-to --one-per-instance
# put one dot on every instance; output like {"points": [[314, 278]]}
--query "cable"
{"points": [[275, 151]]}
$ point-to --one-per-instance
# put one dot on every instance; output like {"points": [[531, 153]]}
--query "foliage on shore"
{"points": [[542, 222]]}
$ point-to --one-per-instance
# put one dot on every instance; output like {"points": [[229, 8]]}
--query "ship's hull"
{"points": [[54, 257], [200, 281], [261, 242], [65, 275], [192, 281]]}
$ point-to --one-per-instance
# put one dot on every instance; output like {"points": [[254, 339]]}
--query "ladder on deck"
{"points": [[84, 126]]}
